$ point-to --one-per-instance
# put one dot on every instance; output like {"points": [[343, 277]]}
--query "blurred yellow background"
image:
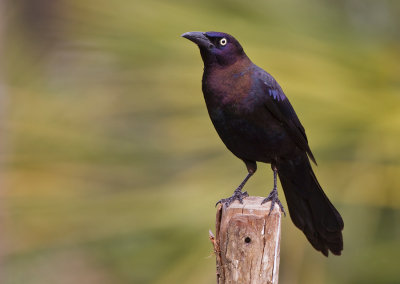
{"points": [[111, 166]]}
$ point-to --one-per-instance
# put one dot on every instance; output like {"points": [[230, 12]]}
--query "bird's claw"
{"points": [[273, 197], [237, 195]]}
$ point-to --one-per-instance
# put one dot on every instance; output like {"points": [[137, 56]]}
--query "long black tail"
{"points": [[309, 207]]}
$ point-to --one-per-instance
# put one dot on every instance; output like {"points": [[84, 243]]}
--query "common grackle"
{"points": [[257, 123]]}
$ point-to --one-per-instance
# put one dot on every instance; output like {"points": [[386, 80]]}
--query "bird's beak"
{"points": [[198, 38]]}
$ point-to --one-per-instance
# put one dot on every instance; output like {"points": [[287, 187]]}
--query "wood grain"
{"points": [[247, 242]]}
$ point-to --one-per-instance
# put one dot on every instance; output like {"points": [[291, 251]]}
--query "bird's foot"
{"points": [[237, 195], [273, 197]]}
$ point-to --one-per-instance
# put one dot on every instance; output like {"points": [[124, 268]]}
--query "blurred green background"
{"points": [[111, 166]]}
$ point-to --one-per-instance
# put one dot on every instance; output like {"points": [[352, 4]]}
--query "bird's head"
{"points": [[216, 47]]}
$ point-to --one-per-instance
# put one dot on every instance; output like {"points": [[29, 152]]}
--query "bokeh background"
{"points": [[110, 166]]}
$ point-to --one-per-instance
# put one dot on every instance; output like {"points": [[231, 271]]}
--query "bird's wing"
{"points": [[279, 106]]}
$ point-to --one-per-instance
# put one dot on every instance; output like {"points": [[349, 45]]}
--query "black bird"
{"points": [[257, 123]]}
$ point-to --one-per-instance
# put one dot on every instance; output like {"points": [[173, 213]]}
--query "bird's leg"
{"points": [[273, 196], [237, 194]]}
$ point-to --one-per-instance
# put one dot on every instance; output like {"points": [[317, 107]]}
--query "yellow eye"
{"points": [[223, 41]]}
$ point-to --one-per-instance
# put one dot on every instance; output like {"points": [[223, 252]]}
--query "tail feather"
{"points": [[309, 207]]}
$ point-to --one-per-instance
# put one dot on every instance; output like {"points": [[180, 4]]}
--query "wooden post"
{"points": [[247, 242]]}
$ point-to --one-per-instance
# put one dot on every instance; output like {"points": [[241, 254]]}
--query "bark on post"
{"points": [[247, 242]]}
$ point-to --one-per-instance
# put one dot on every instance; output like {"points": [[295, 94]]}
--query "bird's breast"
{"points": [[236, 109], [252, 135], [229, 88]]}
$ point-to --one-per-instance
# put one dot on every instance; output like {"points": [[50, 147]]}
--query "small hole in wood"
{"points": [[247, 240]]}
